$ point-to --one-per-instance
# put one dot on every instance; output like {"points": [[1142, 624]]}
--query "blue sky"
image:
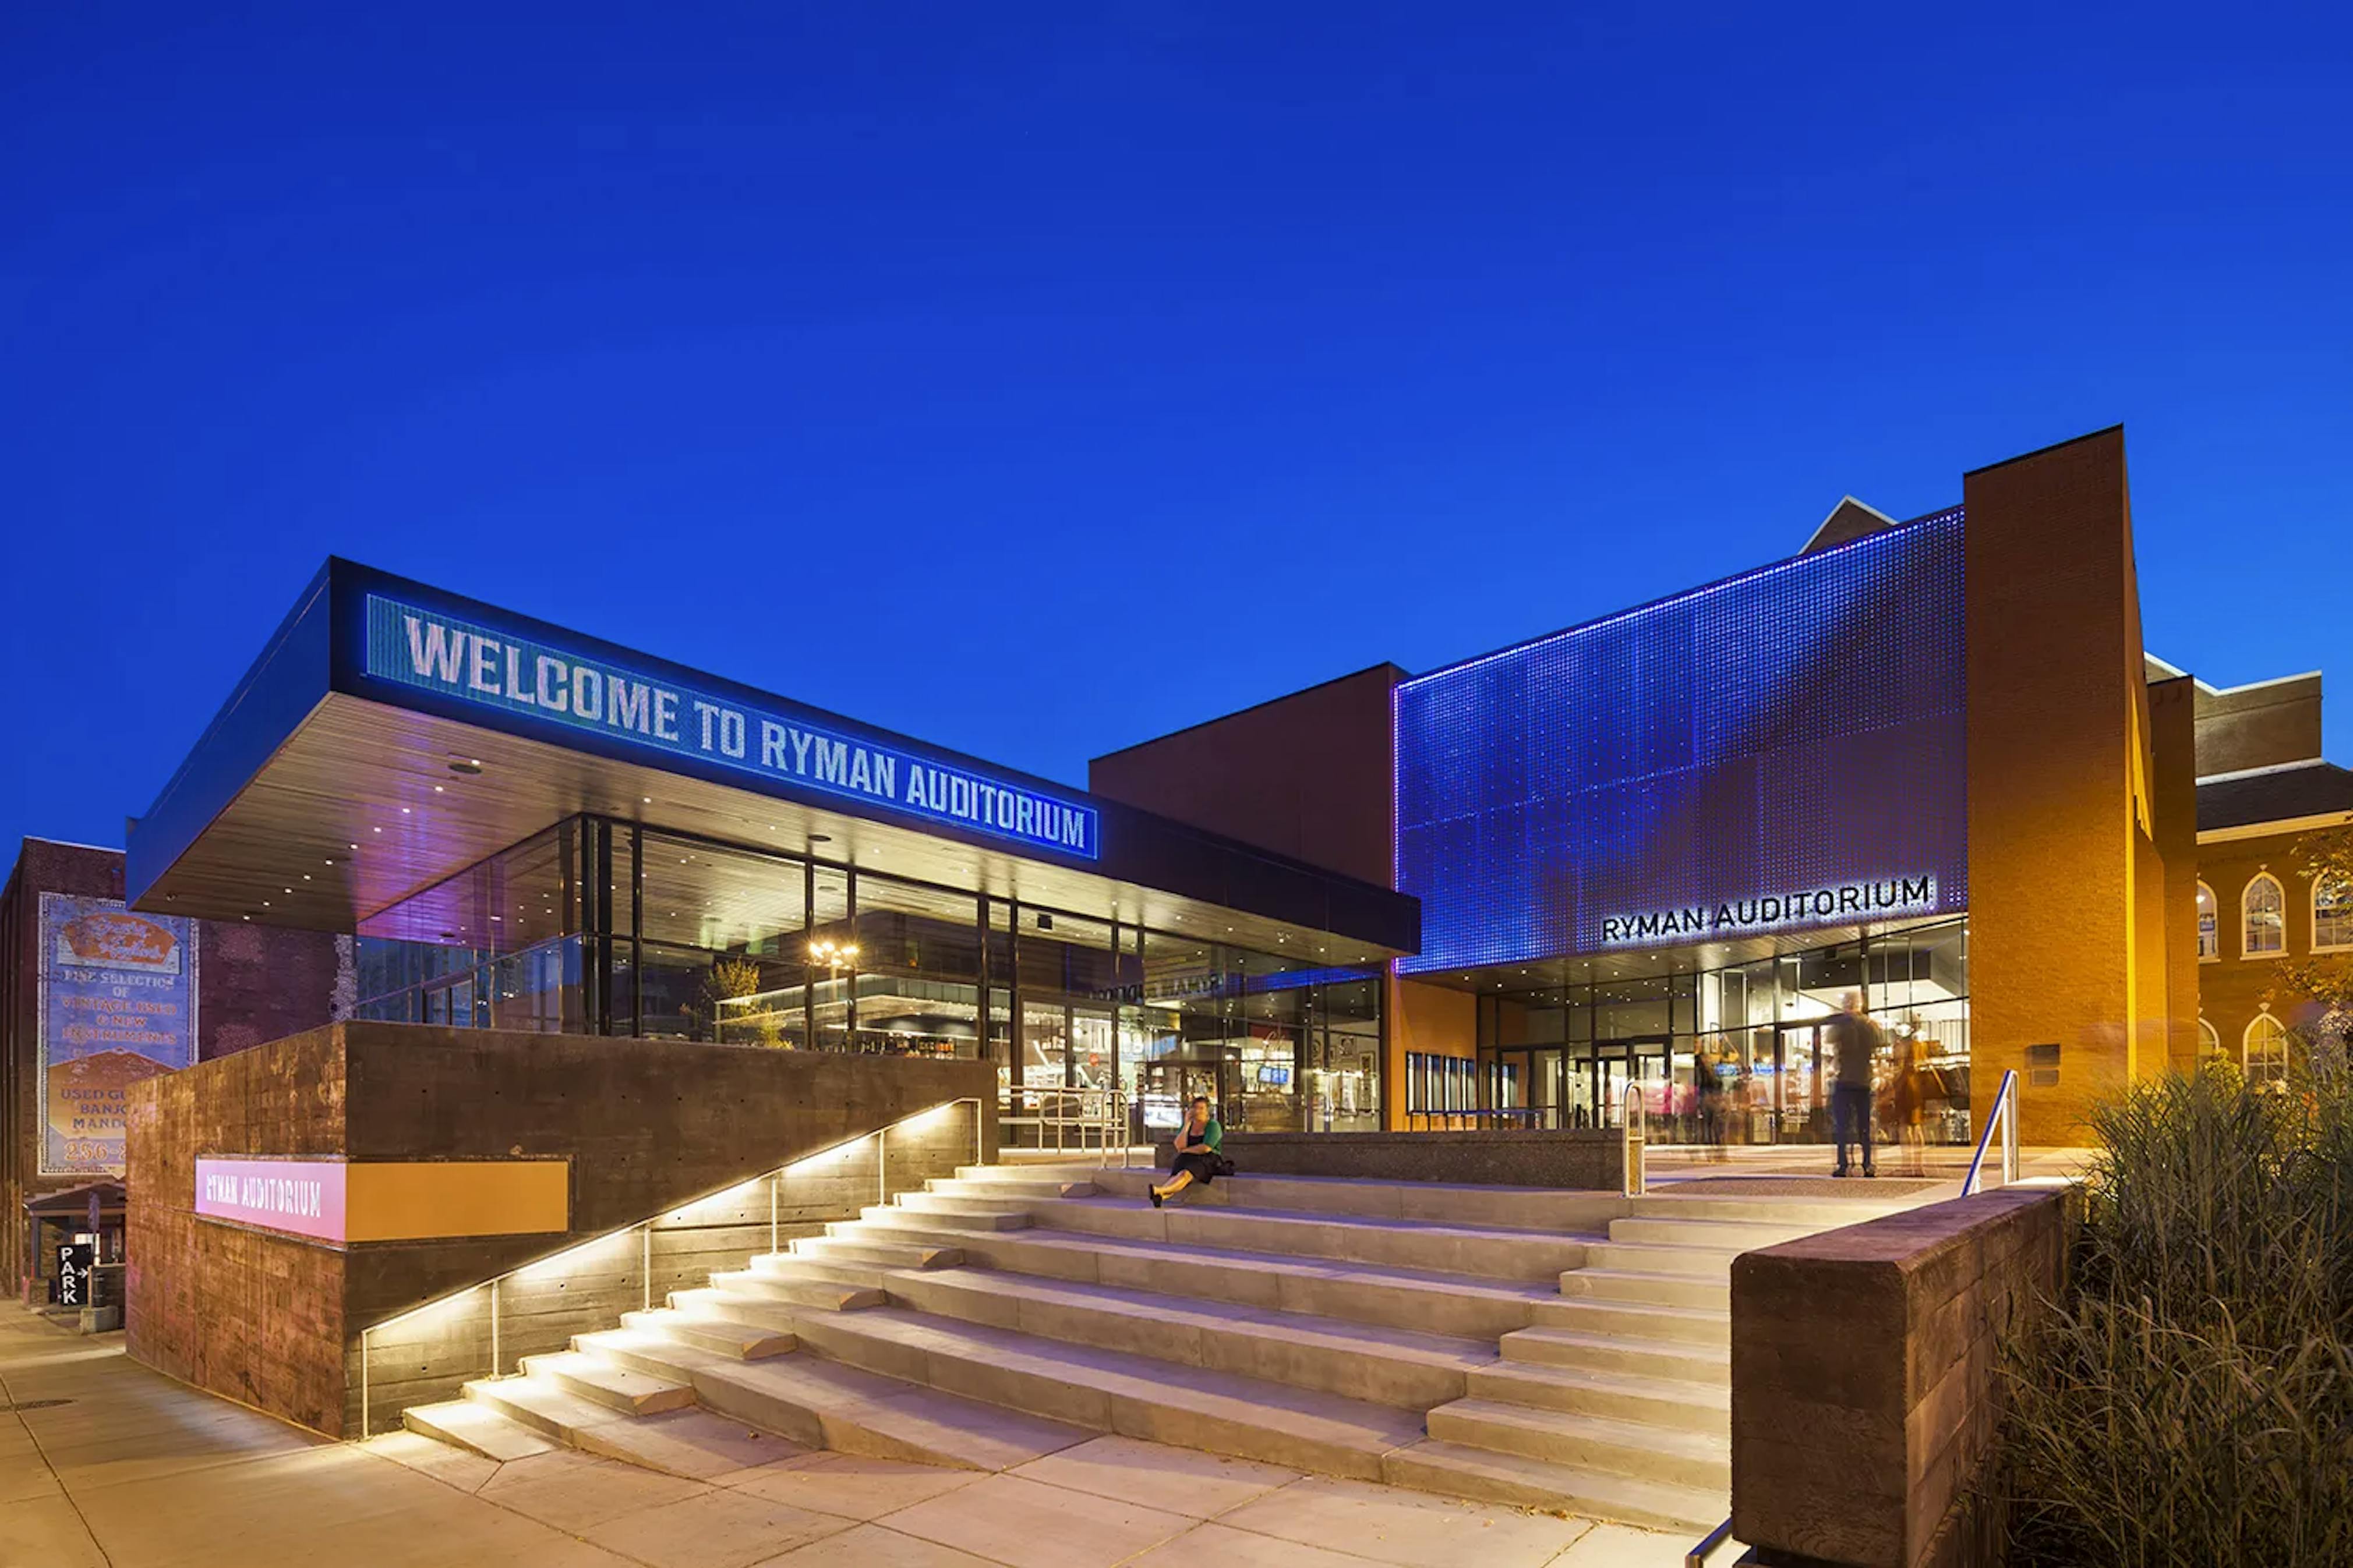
{"points": [[1036, 379]]}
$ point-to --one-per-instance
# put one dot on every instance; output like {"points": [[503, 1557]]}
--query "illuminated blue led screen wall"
{"points": [[1780, 750]]}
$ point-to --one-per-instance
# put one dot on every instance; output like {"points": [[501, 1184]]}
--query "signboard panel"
{"points": [[390, 1199], [492, 668], [118, 1003]]}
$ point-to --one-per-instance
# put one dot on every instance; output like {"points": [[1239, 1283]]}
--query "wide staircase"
{"points": [[1560, 1350]]}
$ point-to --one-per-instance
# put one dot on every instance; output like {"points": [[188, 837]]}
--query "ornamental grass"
{"points": [[2190, 1402]]}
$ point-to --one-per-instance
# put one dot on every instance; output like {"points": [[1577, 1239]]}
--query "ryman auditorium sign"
{"points": [[419, 647], [1773, 911]]}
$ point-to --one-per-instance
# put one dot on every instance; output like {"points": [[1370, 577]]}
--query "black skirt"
{"points": [[1203, 1167]]}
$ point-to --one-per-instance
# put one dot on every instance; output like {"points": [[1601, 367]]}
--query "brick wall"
{"points": [[2230, 988], [1864, 1397]]}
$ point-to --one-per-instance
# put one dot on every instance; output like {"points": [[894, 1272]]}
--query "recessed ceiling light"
{"points": [[404, 811], [372, 830], [437, 789], [265, 903], [648, 799]]}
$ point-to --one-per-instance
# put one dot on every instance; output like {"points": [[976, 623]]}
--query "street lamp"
{"points": [[835, 956]]}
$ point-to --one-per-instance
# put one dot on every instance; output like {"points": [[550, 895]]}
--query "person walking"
{"points": [[1196, 1152], [1908, 1097], [1855, 1041]]}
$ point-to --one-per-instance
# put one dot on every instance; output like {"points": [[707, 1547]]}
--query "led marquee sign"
{"points": [[439, 653]]}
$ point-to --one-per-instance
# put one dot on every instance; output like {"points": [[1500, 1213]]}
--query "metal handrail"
{"points": [[2003, 1115], [1697, 1556], [644, 1230], [1637, 1136]]}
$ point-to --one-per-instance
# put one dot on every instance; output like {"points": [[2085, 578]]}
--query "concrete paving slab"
{"points": [[851, 1486], [1616, 1546], [1180, 1481], [446, 1463], [696, 1444], [715, 1530], [48, 1531], [872, 1546], [1407, 1528], [1230, 1548], [574, 1492], [1027, 1525]]}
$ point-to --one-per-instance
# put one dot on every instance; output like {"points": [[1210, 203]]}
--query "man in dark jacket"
{"points": [[1854, 1039]]}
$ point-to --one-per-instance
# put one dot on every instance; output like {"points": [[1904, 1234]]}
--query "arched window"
{"points": [[2264, 1050], [2264, 909], [2332, 913], [2210, 925], [2210, 1043]]}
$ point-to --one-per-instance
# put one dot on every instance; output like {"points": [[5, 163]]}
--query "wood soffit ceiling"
{"points": [[359, 773]]}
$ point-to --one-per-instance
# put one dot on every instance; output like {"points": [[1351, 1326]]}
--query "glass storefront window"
{"points": [[600, 926]]}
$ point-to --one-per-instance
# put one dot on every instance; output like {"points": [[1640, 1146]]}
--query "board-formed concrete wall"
{"points": [[1863, 1377], [648, 1126]]}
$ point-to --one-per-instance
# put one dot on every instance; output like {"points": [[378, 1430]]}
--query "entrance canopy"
{"points": [[391, 735]]}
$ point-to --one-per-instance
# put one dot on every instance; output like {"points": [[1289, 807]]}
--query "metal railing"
{"points": [[1637, 1135], [642, 1231], [1698, 1555], [2004, 1115], [1097, 1113]]}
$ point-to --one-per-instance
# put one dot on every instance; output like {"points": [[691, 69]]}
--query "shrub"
{"points": [[2192, 1402]]}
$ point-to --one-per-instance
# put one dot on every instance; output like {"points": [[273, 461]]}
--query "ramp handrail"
{"points": [[642, 1232], [1637, 1135], [2003, 1115]]}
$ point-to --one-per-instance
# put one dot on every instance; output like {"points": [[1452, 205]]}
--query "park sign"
{"points": [[526, 678]]}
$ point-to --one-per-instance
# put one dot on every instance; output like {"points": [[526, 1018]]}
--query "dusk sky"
{"points": [[1034, 380]]}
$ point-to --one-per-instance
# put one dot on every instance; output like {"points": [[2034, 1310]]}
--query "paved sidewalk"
{"points": [[133, 1470]]}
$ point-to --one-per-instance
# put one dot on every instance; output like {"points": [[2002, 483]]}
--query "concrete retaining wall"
{"points": [[1863, 1387], [647, 1125], [1582, 1160]]}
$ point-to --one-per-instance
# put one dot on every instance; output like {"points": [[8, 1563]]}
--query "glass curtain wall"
{"points": [[1566, 1054], [603, 927]]}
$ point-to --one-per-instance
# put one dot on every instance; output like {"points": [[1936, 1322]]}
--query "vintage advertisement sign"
{"points": [[435, 652], [118, 1003]]}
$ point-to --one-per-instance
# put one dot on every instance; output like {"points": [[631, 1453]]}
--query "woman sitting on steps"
{"points": [[1195, 1154]]}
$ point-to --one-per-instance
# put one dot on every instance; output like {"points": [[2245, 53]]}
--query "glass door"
{"points": [[1801, 1096]]}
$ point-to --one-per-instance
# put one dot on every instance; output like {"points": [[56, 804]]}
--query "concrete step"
{"points": [[1011, 1183], [1819, 1214], [1473, 1206], [1655, 1290], [1639, 1321], [1465, 1305], [1115, 1391], [1619, 1396], [615, 1387], [1651, 1257], [1700, 1460], [967, 1198], [877, 1253], [788, 1279], [809, 1268], [1403, 1367], [1488, 1252], [1485, 1475], [1674, 1358], [722, 1336], [477, 1428], [543, 1405], [976, 1214], [1731, 1236], [827, 1404]]}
